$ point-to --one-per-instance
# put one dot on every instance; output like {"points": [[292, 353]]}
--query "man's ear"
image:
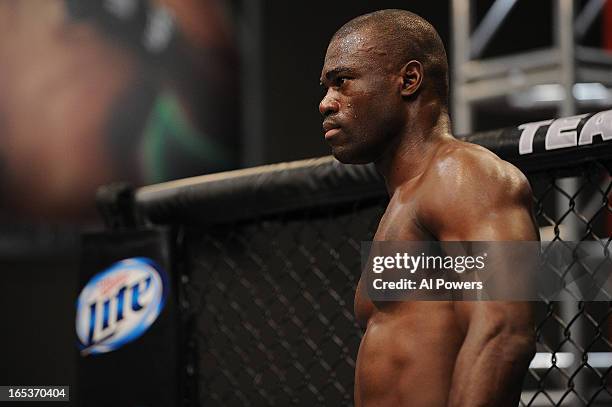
{"points": [[412, 76]]}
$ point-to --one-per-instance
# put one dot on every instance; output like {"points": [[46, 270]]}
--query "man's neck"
{"points": [[409, 155]]}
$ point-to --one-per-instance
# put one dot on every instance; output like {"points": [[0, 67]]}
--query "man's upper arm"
{"points": [[482, 198]]}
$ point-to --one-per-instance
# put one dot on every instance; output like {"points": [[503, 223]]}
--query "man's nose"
{"points": [[328, 105]]}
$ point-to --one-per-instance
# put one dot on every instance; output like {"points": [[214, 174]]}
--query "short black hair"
{"points": [[407, 36]]}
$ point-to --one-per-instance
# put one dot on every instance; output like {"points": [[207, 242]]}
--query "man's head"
{"points": [[376, 67]]}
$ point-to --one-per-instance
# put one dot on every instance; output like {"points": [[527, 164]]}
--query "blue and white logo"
{"points": [[119, 304]]}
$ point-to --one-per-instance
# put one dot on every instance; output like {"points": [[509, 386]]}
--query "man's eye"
{"points": [[341, 80]]}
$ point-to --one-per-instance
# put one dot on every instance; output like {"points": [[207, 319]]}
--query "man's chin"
{"points": [[348, 157]]}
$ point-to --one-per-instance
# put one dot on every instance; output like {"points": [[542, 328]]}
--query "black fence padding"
{"points": [[252, 192]]}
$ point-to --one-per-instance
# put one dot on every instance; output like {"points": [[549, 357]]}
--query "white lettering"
{"points": [[559, 134], [527, 135], [378, 268], [425, 284], [598, 125], [415, 263], [458, 285]]}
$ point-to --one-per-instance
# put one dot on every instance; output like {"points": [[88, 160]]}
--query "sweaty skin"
{"points": [[440, 353], [419, 353]]}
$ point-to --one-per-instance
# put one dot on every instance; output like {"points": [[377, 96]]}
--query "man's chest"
{"points": [[401, 222]]}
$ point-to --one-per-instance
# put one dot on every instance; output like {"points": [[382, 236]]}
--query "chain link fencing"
{"points": [[269, 303], [574, 364]]}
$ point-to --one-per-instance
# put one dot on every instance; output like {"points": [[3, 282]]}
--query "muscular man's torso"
{"points": [[408, 352]]}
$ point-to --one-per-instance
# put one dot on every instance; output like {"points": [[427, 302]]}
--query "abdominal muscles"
{"points": [[407, 356]]}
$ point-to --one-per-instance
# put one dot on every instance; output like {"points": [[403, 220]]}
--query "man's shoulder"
{"points": [[466, 172]]}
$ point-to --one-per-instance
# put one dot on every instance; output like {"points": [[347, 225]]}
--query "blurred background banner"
{"points": [[98, 91]]}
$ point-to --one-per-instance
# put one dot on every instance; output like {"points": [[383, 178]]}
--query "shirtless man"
{"points": [[386, 102]]}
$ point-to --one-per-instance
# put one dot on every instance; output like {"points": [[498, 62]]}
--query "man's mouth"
{"points": [[331, 133], [330, 129]]}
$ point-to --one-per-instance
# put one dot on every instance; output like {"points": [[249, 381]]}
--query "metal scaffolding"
{"points": [[565, 70]]}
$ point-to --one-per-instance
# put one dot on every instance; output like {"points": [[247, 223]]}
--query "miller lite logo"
{"points": [[119, 304]]}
